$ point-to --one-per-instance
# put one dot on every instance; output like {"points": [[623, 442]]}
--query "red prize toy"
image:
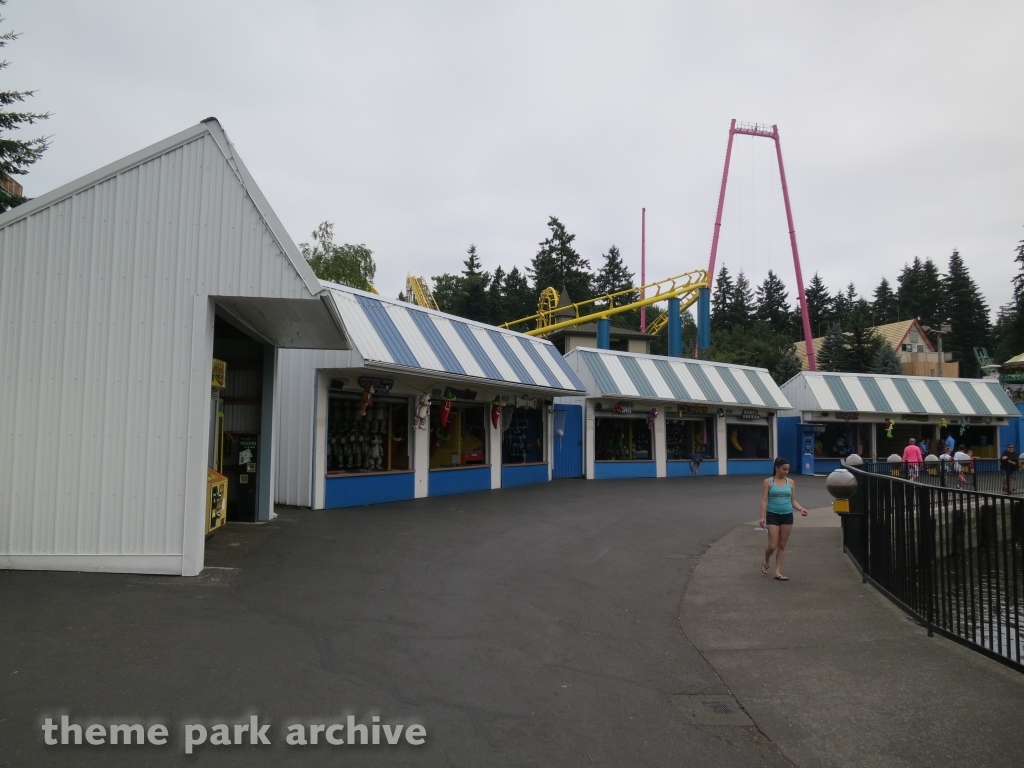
{"points": [[496, 413], [446, 406]]}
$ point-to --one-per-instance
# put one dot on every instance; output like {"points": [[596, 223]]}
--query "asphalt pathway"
{"points": [[531, 626]]}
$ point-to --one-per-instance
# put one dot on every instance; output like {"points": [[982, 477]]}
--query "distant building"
{"points": [[911, 344], [585, 334]]}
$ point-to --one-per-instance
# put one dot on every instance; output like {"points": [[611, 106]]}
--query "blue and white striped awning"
{"points": [[622, 374], [395, 335], [874, 393]]}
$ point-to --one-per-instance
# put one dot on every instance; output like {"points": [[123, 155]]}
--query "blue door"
{"points": [[568, 445]]}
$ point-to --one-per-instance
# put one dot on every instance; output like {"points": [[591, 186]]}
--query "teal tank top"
{"points": [[780, 500]]}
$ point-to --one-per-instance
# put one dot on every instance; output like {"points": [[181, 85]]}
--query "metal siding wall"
{"points": [[96, 312]]}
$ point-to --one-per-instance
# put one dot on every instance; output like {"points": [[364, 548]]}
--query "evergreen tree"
{"points": [[16, 155], [496, 298], [1008, 333], [519, 299], [883, 308], [473, 303], [862, 343], [613, 277], [920, 292], [447, 292], [886, 361], [741, 308], [758, 346], [832, 356], [721, 298], [966, 312], [843, 304], [558, 265], [347, 264], [773, 304], [819, 305]]}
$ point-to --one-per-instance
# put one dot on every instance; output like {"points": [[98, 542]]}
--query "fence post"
{"points": [[926, 541]]}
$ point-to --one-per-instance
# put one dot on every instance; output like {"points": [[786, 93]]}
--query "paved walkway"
{"points": [[836, 675]]}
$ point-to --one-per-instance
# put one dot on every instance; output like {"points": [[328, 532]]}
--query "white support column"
{"points": [[549, 436], [193, 544], [874, 441], [421, 461], [323, 384], [588, 439], [773, 418], [494, 447], [660, 448], [721, 437]]}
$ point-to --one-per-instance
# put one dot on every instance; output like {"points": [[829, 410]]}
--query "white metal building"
{"points": [[115, 291], [336, 449]]}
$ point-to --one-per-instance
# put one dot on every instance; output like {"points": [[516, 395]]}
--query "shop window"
{"points": [[523, 441], [901, 434], [979, 438], [463, 440], [748, 441], [839, 440], [622, 439], [377, 441], [688, 437]]}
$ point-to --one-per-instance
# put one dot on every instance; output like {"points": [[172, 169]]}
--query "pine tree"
{"points": [[966, 312], [862, 343], [1009, 329], [883, 308], [16, 155], [558, 265], [613, 277], [518, 297], [721, 298], [473, 304], [832, 356], [819, 305], [347, 264], [496, 298], [920, 292], [741, 308], [773, 304], [885, 361]]}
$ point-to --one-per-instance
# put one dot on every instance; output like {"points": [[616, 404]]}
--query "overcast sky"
{"points": [[421, 127]]}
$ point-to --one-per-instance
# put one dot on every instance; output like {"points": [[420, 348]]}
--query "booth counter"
{"points": [[875, 416], [653, 416]]}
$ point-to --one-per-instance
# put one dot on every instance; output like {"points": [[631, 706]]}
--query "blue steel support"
{"points": [[675, 329], [604, 333], [703, 319]]}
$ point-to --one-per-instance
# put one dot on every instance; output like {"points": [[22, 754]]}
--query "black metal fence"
{"points": [[984, 475], [952, 557]]}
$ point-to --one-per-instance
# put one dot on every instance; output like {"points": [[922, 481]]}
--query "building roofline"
{"points": [[651, 356]]}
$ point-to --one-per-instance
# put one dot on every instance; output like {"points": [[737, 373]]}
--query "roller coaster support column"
{"points": [[703, 320], [675, 328], [604, 333]]}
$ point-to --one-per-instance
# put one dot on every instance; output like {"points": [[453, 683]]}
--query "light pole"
{"points": [[939, 332]]}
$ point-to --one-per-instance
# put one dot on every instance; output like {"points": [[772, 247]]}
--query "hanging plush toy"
{"points": [[495, 413], [889, 424], [446, 406], [422, 418], [942, 423], [367, 399], [651, 418], [963, 426]]}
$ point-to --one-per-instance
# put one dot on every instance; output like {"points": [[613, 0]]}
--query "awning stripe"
{"points": [[908, 395], [385, 328], [734, 386], [604, 380], [531, 351], [643, 386], [472, 343], [561, 365], [710, 393], [760, 388], [1002, 399], [838, 388], [972, 396], [878, 401], [669, 375], [433, 337]]}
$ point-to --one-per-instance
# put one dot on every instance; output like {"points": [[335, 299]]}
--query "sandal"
{"points": [[782, 578], [764, 568]]}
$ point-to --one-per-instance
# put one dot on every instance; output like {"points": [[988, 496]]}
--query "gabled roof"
{"points": [[890, 395], [653, 377], [396, 336], [891, 333]]}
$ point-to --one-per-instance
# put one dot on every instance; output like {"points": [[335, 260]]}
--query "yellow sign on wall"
{"points": [[220, 374]]}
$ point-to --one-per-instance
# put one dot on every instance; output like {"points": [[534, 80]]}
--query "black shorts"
{"points": [[773, 519]]}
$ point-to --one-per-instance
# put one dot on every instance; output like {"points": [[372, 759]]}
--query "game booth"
{"points": [[653, 416], [423, 404], [836, 414]]}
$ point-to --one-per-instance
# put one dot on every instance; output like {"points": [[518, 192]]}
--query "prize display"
{"points": [[622, 439], [748, 441], [458, 432], [523, 438], [689, 437], [366, 437]]}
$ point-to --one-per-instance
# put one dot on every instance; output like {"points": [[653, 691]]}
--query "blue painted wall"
{"points": [[676, 468], [750, 467], [610, 470], [789, 442], [446, 481], [523, 474], [357, 490], [568, 449], [824, 466], [1013, 432]]}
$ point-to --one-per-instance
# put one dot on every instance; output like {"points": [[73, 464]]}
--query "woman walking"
{"points": [[778, 500]]}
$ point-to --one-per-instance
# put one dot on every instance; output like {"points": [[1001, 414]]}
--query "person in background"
{"points": [[696, 459], [1009, 463], [778, 500], [923, 445], [961, 459], [950, 443], [912, 458]]}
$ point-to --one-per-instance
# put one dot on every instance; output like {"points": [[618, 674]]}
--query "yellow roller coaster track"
{"points": [[684, 286], [419, 291]]}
